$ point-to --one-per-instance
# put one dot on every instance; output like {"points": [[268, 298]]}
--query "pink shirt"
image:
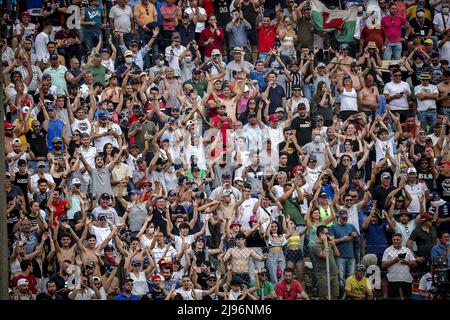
{"points": [[393, 28], [168, 25]]}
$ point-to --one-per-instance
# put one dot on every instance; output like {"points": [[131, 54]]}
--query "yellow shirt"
{"points": [[145, 15], [19, 124], [363, 287], [411, 13]]}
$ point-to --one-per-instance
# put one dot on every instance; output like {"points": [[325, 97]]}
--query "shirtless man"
{"points": [[444, 91], [240, 258], [368, 96], [92, 252], [66, 251], [341, 62], [355, 74]]}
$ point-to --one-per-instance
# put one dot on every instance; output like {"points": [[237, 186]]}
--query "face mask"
{"points": [[160, 63], [187, 59], [128, 60], [420, 14], [316, 138], [151, 230], [419, 65], [445, 10], [171, 170], [360, 9]]}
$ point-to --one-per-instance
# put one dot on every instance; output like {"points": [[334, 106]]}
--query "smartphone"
{"points": [[402, 255]]}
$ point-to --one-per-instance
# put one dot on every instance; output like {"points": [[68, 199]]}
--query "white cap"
{"points": [[246, 88], [22, 282], [412, 170], [76, 181], [16, 141]]}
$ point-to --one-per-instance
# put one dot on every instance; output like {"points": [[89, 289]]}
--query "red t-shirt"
{"points": [[168, 25], [212, 112], [218, 40], [225, 127], [208, 6], [266, 38], [296, 289], [376, 35], [60, 209], [32, 283]]}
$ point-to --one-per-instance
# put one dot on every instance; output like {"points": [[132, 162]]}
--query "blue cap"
{"points": [[135, 191], [51, 107], [312, 158], [103, 114]]}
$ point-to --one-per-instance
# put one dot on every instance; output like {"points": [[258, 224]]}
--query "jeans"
{"points": [[275, 261], [393, 50], [346, 268], [446, 112], [90, 40], [252, 264], [427, 118], [308, 91]]}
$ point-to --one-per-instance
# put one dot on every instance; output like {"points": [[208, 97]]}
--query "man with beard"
{"points": [[169, 280], [80, 122], [442, 208], [60, 279], [54, 127], [52, 292], [290, 289], [105, 131], [225, 186], [37, 138], [156, 291], [18, 153], [42, 194], [126, 294], [140, 128], [100, 174]]}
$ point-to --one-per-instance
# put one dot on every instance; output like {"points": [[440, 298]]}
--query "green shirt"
{"points": [[58, 78], [291, 208], [200, 86], [139, 138], [265, 289], [321, 263], [99, 73]]}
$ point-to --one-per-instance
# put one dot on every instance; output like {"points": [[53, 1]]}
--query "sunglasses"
{"points": [[136, 265], [397, 75]]}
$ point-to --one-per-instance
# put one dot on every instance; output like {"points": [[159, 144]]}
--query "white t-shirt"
{"points": [[29, 30], [100, 142], [189, 239], [391, 89], [245, 211], [35, 177], [349, 101], [187, 295], [122, 18], [100, 234], [81, 125], [442, 21], [352, 215], [199, 26], [444, 51], [398, 272], [381, 145], [428, 104], [416, 191], [40, 46], [311, 176]]}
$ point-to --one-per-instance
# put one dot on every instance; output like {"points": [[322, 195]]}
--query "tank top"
{"points": [[254, 240], [287, 41], [276, 241], [249, 14], [325, 214], [137, 216], [349, 100], [140, 286], [294, 241]]}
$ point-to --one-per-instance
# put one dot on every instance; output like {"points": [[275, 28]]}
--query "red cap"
{"points": [[143, 181], [425, 216], [156, 276], [26, 13], [8, 126], [297, 167], [26, 102], [273, 118]]}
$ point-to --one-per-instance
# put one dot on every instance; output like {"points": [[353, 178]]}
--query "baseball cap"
{"points": [[51, 107], [200, 238], [135, 191], [43, 164], [76, 181], [22, 282], [385, 175], [251, 114], [434, 196], [108, 247], [279, 109], [156, 277], [215, 52], [16, 141], [273, 118], [343, 46], [53, 56], [235, 223], [412, 170], [360, 268], [103, 114], [321, 65], [252, 219], [428, 41], [8, 126], [57, 139], [425, 216], [128, 53], [172, 193], [238, 49], [105, 196], [312, 158], [226, 175], [342, 213], [323, 194]]}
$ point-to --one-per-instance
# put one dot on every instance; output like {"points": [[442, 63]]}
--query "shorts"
{"points": [[241, 277], [295, 256], [252, 37]]}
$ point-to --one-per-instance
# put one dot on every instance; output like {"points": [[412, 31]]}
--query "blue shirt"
{"points": [[55, 129], [259, 76], [122, 296], [376, 240], [342, 230], [438, 250]]}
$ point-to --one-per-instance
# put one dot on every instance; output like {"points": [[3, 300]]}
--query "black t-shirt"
{"points": [[421, 29], [154, 295], [21, 181], [38, 142], [249, 13], [293, 159], [303, 130], [287, 169], [418, 148], [380, 194], [15, 192], [340, 170], [425, 176], [222, 9], [254, 240], [57, 18], [48, 97], [443, 187]]}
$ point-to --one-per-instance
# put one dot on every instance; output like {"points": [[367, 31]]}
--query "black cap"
{"points": [[226, 174], [105, 196], [251, 114]]}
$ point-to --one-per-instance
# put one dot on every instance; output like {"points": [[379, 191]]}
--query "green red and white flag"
{"points": [[341, 21]]}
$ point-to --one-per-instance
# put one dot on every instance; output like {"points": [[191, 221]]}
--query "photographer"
{"points": [[399, 260]]}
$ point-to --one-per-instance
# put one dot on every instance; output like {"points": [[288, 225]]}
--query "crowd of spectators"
{"points": [[225, 150]]}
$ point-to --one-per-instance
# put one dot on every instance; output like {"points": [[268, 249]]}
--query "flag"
{"points": [[341, 21]]}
